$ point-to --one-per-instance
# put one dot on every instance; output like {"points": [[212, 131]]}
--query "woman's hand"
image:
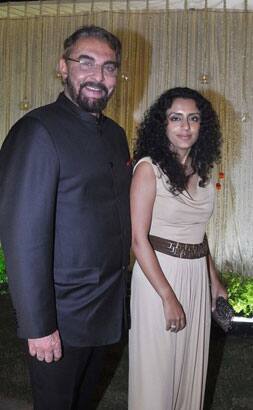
{"points": [[217, 289], [174, 314]]}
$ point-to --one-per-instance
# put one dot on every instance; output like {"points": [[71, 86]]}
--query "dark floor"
{"points": [[229, 384]]}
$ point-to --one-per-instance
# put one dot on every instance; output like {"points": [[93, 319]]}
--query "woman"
{"points": [[171, 202]]}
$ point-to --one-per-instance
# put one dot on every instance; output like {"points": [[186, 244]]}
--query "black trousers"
{"points": [[68, 384]]}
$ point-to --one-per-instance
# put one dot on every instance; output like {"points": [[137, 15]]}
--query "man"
{"points": [[65, 226]]}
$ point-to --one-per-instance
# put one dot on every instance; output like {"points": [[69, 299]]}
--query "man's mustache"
{"points": [[99, 86]]}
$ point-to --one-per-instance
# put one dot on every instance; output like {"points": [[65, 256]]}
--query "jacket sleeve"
{"points": [[29, 171]]}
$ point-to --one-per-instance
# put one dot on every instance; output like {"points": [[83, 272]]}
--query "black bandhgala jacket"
{"points": [[65, 223]]}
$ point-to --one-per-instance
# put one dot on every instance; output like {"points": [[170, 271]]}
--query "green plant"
{"points": [[3, 277], [240, 292]]}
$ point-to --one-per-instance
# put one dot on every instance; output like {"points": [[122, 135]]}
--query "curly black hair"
{"points": [[152, 139]]}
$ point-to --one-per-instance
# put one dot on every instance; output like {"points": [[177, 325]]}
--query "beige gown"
{"points": [[167, 371]]}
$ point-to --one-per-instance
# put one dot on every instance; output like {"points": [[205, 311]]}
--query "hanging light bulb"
{"points": [[218, 186], [204, 79], [25, 104], [58, 75], [124, 77], [244, 116]]}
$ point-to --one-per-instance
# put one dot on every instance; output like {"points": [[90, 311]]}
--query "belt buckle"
{"points": [[172, 247]]}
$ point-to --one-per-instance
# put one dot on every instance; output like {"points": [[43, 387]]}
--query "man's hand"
{"points": [[46, 348]]}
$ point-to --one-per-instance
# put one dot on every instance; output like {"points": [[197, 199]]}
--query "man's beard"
{"points": [[92, 105]]}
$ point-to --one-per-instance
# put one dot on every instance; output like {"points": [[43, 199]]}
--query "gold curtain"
{"points": [[210, 50]]}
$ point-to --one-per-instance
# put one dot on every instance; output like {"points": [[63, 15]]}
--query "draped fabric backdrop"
{"points": [[165, 44]]}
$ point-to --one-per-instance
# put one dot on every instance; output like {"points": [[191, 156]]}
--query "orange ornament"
{"points": [[221, 175], [218, 186]]}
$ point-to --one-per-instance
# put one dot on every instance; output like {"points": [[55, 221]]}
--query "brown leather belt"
{"points": [[178, 249]]}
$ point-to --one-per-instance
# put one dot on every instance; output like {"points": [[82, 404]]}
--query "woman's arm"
{"points": [[217, 288], [142, 197]]}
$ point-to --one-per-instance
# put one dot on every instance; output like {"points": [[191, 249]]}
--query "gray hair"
{"points": [[93, 32]]}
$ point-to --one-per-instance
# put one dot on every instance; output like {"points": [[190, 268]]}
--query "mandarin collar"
{"points": [[83, 115]]}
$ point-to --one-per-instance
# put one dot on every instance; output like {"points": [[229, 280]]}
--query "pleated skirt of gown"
{"points": [[167, 371]]}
